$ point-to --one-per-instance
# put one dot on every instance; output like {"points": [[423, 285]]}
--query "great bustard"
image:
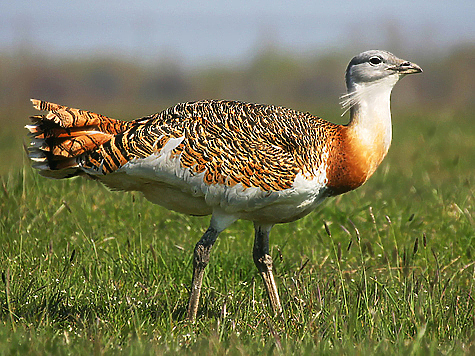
{"points": [[229, 159]]}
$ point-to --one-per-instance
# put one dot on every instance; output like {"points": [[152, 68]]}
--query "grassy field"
{"points": [[88, 271]]}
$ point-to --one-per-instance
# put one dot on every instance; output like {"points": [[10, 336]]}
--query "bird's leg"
{"points": [[263, 262], [200, 261]]}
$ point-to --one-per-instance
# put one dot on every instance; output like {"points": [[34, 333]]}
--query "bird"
{"points": [[229, 159]]}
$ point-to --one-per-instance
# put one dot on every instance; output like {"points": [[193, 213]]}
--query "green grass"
{"points": [[85, 270]]}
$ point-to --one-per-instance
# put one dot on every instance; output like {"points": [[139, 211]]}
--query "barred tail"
{"points": [[60, 137]]}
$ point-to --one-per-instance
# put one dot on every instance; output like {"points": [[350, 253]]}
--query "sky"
{"points": [[199, 32]]}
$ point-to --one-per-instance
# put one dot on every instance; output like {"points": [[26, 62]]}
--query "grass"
{"points": [[389, 268]]}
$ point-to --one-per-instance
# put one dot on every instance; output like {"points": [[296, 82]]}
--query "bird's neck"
{"points": [[365, 141], [370, 127]]}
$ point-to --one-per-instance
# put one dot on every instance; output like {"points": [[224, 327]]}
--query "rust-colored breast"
{"points": [[348, 167]]}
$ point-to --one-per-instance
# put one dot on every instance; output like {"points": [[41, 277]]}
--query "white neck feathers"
{"points": [[370, 112]]}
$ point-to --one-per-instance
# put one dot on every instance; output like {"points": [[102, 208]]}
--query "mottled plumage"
{"points": [[232, 142], [233, 160]]}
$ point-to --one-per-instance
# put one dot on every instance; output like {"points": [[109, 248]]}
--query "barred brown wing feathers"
{"points": [[230, 142]]}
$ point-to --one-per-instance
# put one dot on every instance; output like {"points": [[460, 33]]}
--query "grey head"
{"points": [[377, 65]]}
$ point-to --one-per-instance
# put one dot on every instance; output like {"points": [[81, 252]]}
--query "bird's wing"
{"points": [[228, 142]]}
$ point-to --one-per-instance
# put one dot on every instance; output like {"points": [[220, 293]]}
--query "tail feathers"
{"points": [[59, 138], [66, 117]]}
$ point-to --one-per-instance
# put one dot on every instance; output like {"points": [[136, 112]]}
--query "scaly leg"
{"points": [[200, 261], [263, 262]]}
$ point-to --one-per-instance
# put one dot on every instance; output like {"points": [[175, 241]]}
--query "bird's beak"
{"points": [[406, 67]]}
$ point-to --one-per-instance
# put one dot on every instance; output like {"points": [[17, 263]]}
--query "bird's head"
{"points": [[377, 66]]}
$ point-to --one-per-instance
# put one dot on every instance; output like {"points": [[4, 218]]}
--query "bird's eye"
{"points": [[375, 60]]}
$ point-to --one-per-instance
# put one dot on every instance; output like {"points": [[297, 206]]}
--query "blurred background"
{"points": [[127, 59]]}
